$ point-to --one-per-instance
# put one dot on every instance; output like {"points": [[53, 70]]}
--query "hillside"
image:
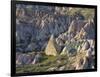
{"points": [[50, 38]]}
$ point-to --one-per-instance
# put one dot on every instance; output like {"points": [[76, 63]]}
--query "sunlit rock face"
{"points": [[51, 47]]}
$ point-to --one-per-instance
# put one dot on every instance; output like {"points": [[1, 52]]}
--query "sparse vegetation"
{"points": [[70, 30], [48, 62], [85, 12]]}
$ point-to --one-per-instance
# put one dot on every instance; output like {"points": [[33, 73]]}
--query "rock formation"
{"points": [[51, 30], [50, 48], [64, 51]]}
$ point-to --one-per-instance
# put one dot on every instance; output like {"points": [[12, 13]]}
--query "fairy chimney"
{"points": [[50, 48]]}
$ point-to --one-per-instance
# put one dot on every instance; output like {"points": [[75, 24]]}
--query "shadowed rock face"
{"points": [[24, 34], [35, 24]]}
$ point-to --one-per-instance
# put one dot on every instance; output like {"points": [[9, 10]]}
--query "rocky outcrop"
{"points": [[25, 59], [38, 23], [75, 27], [51, 48]]}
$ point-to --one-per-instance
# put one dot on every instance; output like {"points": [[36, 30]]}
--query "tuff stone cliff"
{"points": [[35, 25]]}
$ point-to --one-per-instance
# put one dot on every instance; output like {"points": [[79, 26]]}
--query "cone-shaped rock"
{"points": [[64, 51], [81, 34], [50, 48]]}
